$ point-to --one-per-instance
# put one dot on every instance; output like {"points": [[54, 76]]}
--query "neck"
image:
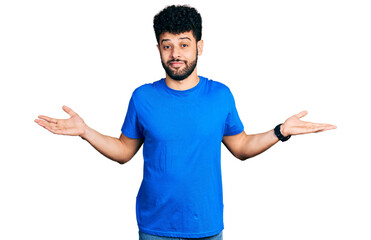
{"points": [[185, 84]]}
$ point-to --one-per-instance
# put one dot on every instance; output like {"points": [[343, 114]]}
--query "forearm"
{"points": [[110, 147], [244, 146], [257, 143]]}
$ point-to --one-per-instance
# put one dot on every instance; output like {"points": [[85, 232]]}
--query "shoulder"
{"points": [[217, 87], [145, 90]]}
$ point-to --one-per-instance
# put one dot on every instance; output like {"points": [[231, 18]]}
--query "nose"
{"points": [[175, 53]]}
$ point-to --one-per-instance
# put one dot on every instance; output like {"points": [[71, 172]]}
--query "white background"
{"points": [[277, 57]]}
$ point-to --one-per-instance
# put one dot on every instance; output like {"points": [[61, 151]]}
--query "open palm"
{"points": [[73, 126], [295, 126]]}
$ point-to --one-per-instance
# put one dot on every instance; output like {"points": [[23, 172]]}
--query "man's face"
{"points": [[179, 54]]}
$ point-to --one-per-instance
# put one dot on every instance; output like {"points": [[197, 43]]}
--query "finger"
{"points": [[52, 130], [51, 127], [68, 110], [43, 124], [310, 124], [48, 119], [301, 114], [330, 127], [309, 130], [322, 128]]}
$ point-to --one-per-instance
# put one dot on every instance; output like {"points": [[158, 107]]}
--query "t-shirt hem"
{"points": [[181, 235]]}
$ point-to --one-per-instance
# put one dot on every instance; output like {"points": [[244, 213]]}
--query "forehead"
{"points": [[172, 37]]}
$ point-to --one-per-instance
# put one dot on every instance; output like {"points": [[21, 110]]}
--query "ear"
{"points": [[200, 47], [158, 47]]}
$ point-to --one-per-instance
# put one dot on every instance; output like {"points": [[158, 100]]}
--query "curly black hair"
{"points": [[178, 19]]}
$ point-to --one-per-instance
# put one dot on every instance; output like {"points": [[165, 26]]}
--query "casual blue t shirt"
{"points": [[181, 192]]}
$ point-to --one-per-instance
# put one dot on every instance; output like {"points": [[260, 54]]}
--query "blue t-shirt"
{"points": [[181, 192]]}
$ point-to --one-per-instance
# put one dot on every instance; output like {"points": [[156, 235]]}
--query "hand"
{"points": [[295, 126], [74, 126]]}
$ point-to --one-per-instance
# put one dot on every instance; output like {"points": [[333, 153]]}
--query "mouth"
{"points": [[176, 64]]}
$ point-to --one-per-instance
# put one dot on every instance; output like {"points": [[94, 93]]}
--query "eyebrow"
{"points": [[185, 38], [163, 40]]}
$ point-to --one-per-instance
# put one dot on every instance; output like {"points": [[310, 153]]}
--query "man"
{"points": [[181, 120]]}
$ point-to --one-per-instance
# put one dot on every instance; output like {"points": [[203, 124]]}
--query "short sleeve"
{"points": [[233, 124], [132, 127]]}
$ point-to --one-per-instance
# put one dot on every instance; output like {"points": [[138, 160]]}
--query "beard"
{"points": [[180, 74]]}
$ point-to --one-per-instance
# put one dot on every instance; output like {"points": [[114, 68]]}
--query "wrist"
{"points": [[85, 132], [279, 134], [283, 130]]}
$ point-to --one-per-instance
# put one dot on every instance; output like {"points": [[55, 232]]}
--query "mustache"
{"points": [[176, 60]]}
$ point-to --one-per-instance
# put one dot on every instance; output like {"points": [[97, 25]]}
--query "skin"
{"points": [[180, 47], [183, 47]]}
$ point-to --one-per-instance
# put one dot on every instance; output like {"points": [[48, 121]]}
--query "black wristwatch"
{"points": [[277, 131]]}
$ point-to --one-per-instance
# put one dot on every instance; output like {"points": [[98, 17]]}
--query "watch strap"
{"points": [[277, 132]]}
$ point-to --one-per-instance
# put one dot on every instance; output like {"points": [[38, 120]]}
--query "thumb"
{"points": [[301, 114], [68, 110]]}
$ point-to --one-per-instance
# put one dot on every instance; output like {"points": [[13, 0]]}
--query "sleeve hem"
{"points": [[130, 134], [235, 132]]}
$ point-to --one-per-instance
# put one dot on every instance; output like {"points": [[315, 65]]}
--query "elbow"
{"points": [[123, 157], [123, 161], [242, 157], [243, 151]]}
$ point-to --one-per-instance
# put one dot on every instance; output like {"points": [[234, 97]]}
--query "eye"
{"points": [[184, 45], [166, 47]]}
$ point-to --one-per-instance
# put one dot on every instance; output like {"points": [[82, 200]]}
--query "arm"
{"points": [[120, 149], [244, 146]]}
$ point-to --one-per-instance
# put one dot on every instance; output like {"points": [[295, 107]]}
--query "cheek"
{"points": [[163, 56], [166, 53], [191, 55]]}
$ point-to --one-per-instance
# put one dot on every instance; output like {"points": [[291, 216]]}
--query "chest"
{"points": [[181, 119]]}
